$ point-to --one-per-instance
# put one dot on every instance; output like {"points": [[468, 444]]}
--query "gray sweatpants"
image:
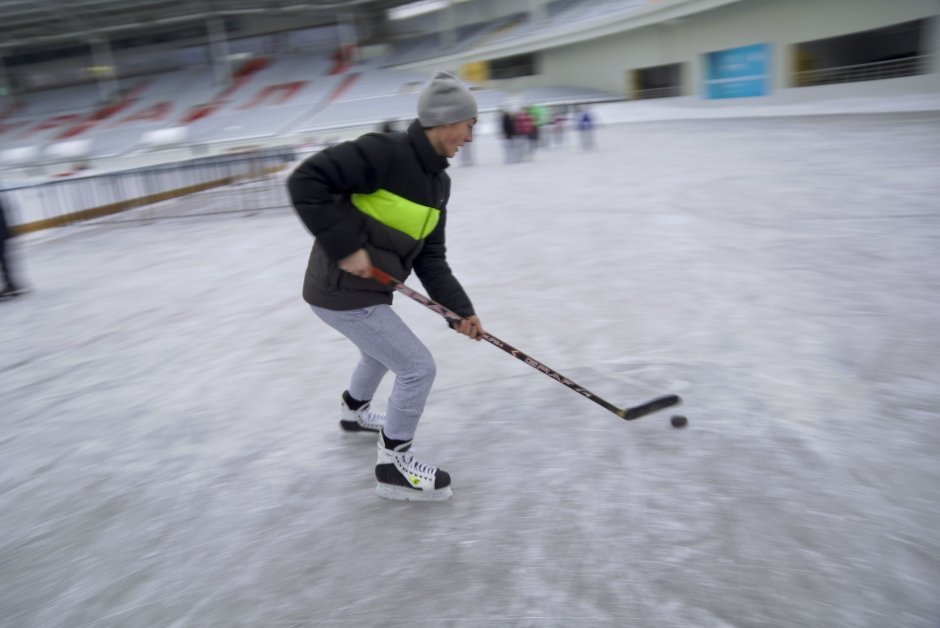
{"points": [[386, 344]]}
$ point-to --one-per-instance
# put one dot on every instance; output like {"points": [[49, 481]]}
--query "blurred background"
{"points": [[731, 200], [111, 105]]}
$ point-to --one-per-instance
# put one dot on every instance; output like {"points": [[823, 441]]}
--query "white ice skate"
{"points": [[402, 477], [363, 419]]}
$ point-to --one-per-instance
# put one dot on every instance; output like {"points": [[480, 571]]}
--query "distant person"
{"points": [[585, 124], [541, 118], [509, 132], [382, 199], [559, 121], [525, 134], [10, 287], [535, 133], [388, 126]]}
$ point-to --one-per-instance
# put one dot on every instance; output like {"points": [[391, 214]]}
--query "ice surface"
{"points": [[170, 455]]}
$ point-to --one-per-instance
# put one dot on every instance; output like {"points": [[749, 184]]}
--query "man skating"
{"points": [[382, 199]]}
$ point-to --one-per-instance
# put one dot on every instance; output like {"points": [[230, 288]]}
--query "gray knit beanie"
{"points": [[445, 100]]}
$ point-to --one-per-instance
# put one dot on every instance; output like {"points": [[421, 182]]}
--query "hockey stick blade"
{"points": [[628, 414], [660, 403]]}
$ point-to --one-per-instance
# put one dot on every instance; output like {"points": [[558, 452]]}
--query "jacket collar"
{"points": [[430, 160]]}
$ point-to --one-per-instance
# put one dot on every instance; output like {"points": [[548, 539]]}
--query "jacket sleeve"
{"points": [[436, 276], [318, 185]]}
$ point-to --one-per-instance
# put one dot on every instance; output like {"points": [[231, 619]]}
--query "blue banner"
{"points": [[738, 72]]}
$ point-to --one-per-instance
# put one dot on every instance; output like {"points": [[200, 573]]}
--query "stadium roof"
{"points": [[40, 22]]}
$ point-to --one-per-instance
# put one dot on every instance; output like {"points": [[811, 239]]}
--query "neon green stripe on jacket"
{"points": [[398, 213]]}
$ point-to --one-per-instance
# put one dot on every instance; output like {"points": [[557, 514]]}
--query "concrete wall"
{"points": [[682, 31], [603, 63]]}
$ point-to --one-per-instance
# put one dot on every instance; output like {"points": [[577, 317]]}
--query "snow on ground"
{"points": [[170, 454]]}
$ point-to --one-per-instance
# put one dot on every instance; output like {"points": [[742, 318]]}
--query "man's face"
{"points": [[447, 138]]}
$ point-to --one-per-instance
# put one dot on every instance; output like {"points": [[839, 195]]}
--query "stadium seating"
{"points": [[269, 96]]}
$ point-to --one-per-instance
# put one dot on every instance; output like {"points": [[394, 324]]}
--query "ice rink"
{"points": [[170, 454]]}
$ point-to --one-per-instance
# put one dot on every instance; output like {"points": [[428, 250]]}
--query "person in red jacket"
{"points": [[527, 134], [382, 200]]}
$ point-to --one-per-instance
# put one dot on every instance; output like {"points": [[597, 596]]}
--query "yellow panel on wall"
{"points": [[804, 61], [475, 71]]}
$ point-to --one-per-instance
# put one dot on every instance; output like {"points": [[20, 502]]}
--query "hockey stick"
{"points": [[629, 413]]}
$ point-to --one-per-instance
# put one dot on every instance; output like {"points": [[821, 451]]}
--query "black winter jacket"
{"points": [[387, 193]]}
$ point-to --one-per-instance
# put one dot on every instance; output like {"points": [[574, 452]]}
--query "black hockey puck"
{"points": [[678, 421]]}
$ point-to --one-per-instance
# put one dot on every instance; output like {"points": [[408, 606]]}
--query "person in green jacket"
{"points": [[381, 200]]}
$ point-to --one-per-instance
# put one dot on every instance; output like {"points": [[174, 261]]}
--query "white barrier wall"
{"points": [[52, 200]]}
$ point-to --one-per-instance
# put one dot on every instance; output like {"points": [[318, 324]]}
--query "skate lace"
{"points": [[371, 417], [416, 467]]}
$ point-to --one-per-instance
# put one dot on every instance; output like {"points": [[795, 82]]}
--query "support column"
{"points": [[782, 66], [537, 10], [447, 24], [348, 38], [105, 71], [931, 39], [693, 84], [218, 51], [6, 90]]}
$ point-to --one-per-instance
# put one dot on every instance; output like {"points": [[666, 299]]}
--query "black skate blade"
{"points": [[660, 403]]}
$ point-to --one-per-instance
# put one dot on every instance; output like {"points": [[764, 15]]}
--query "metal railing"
{"points": [[658, 92], [210, 185], [894, 68]]}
